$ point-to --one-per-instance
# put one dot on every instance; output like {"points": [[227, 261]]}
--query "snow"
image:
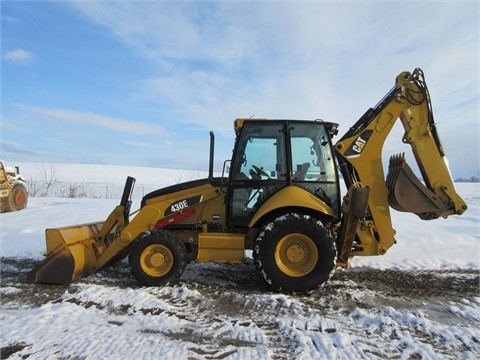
{"points": [[101, 319], [435, 244]]}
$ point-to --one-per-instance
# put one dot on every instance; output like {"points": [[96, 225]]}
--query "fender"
{"points": [[292, 196]]}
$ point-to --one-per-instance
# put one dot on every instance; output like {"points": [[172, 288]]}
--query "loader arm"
{"points": [[74, 251], [359, 155]]}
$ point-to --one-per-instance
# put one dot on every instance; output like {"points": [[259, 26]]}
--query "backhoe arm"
{"points": [[359, 154]]}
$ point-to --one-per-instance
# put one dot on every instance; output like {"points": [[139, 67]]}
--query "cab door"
{"points": [[313, 162], [259, 169]]}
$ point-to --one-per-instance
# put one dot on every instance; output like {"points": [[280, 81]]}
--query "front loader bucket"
{"points": [[408, 194], [75, 251], [71, 255]]}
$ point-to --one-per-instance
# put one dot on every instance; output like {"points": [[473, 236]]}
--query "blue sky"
{"points": [[142, 83]]}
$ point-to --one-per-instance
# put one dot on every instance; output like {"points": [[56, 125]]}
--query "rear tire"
{"points": [[18, 197], [157, 257], [295, 253]]}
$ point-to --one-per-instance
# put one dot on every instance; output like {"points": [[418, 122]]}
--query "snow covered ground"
{"points": [[420, 300]]}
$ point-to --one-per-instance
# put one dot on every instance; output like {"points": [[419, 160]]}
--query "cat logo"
{"points": [[359, 144]]}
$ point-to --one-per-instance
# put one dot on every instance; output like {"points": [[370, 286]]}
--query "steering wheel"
{"points": [[259, 171]]}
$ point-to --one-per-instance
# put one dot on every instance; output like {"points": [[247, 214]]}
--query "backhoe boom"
{"points": [[359, 154]]}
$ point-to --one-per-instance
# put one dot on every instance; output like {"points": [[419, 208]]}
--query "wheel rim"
{"points": [[156, 260], [296, 255], [19, 199]]}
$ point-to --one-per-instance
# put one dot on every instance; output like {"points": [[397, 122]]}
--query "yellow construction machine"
{"points": [[278, 196], [13, 189]]}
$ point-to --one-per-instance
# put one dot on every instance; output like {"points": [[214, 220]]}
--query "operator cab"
{"points": [[270, 155]]}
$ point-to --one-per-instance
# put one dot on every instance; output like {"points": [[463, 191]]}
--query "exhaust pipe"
{"points": [[212, 148]]}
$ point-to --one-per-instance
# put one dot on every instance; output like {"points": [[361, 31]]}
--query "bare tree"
{"points": [[177, 181], [50, 177], [32, 185]]}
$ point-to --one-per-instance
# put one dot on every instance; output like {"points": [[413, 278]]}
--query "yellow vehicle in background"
{"points": [[281, 199], [13, 189]]}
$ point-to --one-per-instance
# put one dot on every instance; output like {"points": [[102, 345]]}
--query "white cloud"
{"points": [[95, 120], [290, 59], [145, 145], [10, 19], [9, 126], [20, 57], [214, 61], [165, 31], [11, 149]]}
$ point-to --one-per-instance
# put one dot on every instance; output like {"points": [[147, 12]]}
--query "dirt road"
{"points": [[377, 311]]}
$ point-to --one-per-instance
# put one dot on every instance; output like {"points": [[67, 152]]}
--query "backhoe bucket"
{"points": [[408, 194], [71, 255], [74, 252]]}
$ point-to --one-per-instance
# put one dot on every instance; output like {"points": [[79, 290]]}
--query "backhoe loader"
{"points": [[279, 196]]}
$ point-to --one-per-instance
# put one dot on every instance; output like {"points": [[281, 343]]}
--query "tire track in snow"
{"points": [[219, 310]]}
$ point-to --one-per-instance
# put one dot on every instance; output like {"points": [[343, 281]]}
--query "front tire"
{"points": [[18, 197], [157, 257], [295, 253]]}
